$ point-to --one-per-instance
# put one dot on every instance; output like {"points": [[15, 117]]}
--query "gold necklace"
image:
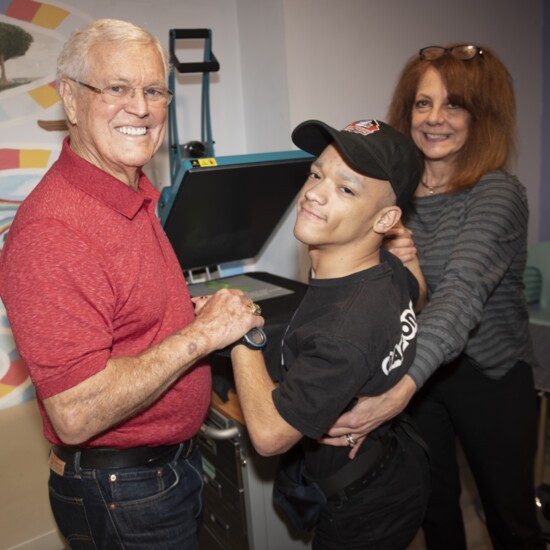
{"points": [[432, 188]]}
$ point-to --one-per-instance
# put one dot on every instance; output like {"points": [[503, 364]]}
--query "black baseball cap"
{"points": [[370, 147]]}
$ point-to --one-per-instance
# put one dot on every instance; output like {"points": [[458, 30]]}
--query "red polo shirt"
{"points": [[86, 274]]}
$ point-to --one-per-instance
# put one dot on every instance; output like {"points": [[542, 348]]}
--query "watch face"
{"points": [[256, 337]]}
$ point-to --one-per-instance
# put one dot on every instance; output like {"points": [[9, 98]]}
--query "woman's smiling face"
{"points": [[438, 127]]}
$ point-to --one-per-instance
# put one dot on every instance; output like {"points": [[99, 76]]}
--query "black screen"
{"points": [[227, 213]]}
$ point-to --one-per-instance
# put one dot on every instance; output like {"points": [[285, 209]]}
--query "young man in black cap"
{"points": [[353, 334]]}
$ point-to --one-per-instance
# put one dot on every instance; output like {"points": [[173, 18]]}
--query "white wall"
{"points": [[262, 39]]}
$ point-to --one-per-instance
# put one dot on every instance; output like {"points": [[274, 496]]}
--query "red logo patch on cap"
{"points": [[364, 127]]}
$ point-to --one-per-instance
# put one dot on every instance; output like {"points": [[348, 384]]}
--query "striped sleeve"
{"points": [[483, 245]]}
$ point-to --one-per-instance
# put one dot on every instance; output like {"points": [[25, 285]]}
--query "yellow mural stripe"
{"points": [[5, 389], [45, 96], [33, 158], [49, 16]]}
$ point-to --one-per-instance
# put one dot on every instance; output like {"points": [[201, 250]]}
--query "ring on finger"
{"points": [[351, 441], [255, 309]]}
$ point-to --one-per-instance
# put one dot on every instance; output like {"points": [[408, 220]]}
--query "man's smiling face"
{"points": [[337, 207], [119, 139]]}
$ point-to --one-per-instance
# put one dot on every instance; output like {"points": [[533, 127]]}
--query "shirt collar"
{"points": [[103, 187]]}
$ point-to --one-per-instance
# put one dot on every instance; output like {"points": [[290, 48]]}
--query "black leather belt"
{"points": [[134, 457], [356, 475]]}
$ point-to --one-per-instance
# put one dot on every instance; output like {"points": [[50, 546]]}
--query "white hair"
{"points": [[73, 61]]}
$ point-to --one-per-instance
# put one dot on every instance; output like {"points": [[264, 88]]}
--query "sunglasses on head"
{"points": [[463, 52]]}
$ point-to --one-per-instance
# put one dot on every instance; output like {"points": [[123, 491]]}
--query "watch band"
{"points": [[254, 339]]}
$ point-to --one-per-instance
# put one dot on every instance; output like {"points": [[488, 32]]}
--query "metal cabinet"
{"points": [[238, 509]]}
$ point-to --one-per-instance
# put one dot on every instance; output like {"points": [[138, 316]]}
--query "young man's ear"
{"points": [[68, 92], [388, 217]]}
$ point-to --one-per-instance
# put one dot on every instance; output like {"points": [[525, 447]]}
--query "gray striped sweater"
{"points": [[473, 247]]}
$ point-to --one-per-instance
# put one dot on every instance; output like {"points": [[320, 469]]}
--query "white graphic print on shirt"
{"points": [[408, 332]]}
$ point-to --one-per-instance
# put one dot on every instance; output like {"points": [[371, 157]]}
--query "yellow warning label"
{"points": [[204, 162]]}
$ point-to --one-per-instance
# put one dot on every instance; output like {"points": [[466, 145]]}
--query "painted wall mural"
{"points": [[32, 128]]}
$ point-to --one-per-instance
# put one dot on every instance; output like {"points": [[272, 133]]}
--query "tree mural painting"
{"points": [[14, 42]]}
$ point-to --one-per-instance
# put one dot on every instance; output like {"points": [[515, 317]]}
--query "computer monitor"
{"points": [[225, 209]]}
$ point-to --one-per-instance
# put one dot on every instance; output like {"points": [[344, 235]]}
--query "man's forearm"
{"points": [[125, 387], [128, 385], [269, 432]]}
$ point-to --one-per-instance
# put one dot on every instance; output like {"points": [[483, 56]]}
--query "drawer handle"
{"points": [[216, 433]]}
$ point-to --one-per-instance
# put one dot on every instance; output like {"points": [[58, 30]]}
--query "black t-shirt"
{"points": [[351, 336]]}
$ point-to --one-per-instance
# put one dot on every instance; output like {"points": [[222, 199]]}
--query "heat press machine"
{"points": [[219, 213]]}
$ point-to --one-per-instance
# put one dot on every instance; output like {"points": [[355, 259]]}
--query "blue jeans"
{"points": [[157, 507]]}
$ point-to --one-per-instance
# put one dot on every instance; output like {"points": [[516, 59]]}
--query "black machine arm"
{"points": [[195, 148], [210, 63]]}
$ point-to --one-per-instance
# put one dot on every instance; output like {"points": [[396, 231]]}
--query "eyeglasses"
{"points": [[120, 94], [463, 52]]}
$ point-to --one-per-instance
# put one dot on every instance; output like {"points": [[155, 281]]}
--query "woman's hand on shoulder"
{"points": [[399, 241]]}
